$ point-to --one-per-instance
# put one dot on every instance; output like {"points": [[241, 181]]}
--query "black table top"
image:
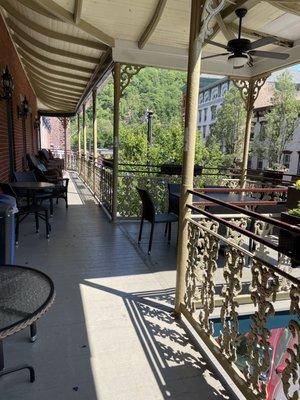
{"points": [[25, 294], [32, 185]]}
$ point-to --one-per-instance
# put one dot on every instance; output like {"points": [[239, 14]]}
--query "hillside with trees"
{"points": [[152, 89]]}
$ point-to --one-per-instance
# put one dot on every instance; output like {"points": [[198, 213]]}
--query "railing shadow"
{"points": [[180, 370]]}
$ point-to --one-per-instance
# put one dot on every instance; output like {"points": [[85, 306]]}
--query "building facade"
{"points": [[211, 97]]}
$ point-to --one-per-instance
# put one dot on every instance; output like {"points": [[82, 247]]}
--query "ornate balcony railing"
{"points": [[243, 298]]}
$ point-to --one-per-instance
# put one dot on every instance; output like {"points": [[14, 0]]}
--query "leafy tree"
{"points": [[229, 128], [280, 121]]}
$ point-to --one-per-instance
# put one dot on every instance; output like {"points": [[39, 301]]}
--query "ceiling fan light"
{"points": [[238, 61]]}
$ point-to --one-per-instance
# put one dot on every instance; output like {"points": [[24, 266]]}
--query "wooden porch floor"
{"points": [[110, 334]]}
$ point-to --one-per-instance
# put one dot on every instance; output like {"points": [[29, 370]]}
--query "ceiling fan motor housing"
{"points": [[239, 46]]}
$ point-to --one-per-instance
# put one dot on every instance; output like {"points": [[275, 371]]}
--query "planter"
{"points": [[275, 175], [288, 241], [107, 163], [176, 169], [293, 197]]}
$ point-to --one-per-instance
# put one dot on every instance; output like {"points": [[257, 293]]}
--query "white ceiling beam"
{"points": [[49, 49], [51, 78], [22, 46], [150, 28], [224, 29], [252, 33], [77, 11], [48, 32], [37, 8], [59, 88], [51, 90], [50, 81], [67, 16], [27, 59]]}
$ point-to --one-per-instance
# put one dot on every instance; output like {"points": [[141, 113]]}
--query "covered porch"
{"points": [[121, 315], [111, 333]]}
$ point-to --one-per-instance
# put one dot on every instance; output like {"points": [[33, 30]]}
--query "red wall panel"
{"points": [[9, 57]]}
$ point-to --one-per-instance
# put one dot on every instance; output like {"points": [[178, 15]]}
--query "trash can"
{"points": [[8, 208]]}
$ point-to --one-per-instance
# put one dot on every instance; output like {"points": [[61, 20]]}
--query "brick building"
{"points": [[21, 136]]}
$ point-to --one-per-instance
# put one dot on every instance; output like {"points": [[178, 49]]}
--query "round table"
{"points": [[25, 295]]}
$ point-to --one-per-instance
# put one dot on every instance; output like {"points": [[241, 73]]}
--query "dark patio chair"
{"points": [[38, 211], [29, 176], [35, 164], [61, 185], [49, 160], [149, 214]]}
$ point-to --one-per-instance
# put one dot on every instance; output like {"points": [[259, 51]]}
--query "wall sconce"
{"points": [[7, 84], [24, 109]]}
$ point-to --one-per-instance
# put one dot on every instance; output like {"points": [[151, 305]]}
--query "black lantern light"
{"points": [[23, 110], [7, 84]]}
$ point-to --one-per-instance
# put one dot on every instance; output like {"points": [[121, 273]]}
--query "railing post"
{"points": [[79, 144], [117, 95], [249, 90], [190, 131], [84, 129], [95, 145]]}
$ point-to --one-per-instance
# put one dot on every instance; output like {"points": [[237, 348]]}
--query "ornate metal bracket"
{"points": [[209, 12], [127, 73], [249, 89]]}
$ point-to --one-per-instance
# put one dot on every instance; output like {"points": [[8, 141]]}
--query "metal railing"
{"points": [[242, 297]]}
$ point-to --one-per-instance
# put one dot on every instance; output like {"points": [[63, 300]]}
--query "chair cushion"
{"points": [[165, 217]]}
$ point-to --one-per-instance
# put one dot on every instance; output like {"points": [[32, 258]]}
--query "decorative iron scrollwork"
{"points": [[250, 89], [229, 315], [290, 375], [127, 73], [265, 284]]}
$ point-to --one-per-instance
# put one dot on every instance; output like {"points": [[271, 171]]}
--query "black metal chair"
{"points": [[149, 214], [29, 176], [25, 210]]}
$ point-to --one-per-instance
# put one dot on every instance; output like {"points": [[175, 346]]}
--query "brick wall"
{"points": [[8, 56]]}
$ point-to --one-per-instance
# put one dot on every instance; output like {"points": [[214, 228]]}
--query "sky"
{"points": [[295, 68]]}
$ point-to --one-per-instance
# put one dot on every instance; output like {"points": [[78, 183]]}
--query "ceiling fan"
{"points": [[241, 51]]}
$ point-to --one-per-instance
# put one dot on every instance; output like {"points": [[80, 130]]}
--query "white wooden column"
{"points": [[95, 144], [249, 90], [117, 96], [84, 129], [190, 131]]}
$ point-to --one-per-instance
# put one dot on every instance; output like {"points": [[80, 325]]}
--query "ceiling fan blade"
{"points": [[263, 42], [215, 55], [269, 54], [223, 46]]}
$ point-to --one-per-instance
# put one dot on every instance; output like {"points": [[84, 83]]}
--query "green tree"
{"points": [[228, 130], [280, 121]]}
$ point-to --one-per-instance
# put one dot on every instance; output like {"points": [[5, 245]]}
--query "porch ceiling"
{"points": [[68, 45]]}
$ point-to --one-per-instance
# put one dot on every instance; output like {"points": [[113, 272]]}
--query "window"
{"points": [[286, 159], [298, 171], [206, 96], [200, 116], [213, 110], [205, 114], [262, 131], [259, 164], [204, 131], [252, 130]]}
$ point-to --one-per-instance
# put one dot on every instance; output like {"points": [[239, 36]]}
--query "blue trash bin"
{"points": [[8, 207]]}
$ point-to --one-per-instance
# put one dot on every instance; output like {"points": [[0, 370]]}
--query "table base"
{"points": [[6, 371]]}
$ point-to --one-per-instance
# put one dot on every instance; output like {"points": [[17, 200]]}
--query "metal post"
{"points": [[149, 131], [84, 129], [190, 131], [95, 144], [79, 144], [249, 110], [65, 139], [117, 95], [95, 147]]}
